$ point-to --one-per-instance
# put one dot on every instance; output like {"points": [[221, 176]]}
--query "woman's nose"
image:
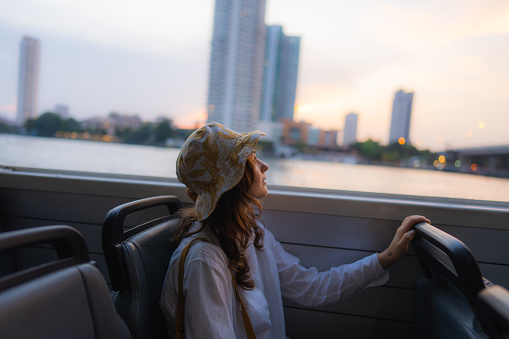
{"points": [[265, 167]]}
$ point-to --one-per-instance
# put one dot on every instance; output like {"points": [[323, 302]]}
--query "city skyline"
{"points": [[150, 61]]}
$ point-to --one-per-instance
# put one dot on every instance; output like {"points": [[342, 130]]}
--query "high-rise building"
{"points": [[280, 75], [401, 114], [28, 81], [350, 130], [236, 63]]}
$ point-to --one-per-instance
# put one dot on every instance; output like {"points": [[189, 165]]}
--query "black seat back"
{"points": [[65, 298], [137, 262], [493, 304], [446, 298]]}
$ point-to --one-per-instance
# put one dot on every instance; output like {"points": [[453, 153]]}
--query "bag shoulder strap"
{"points": [[179, 325]]}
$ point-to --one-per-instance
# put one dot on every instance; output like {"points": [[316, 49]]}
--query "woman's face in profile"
{"points": [[259, 187]]}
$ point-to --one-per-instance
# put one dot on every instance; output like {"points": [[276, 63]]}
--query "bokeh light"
{"points": [[401, 141]]}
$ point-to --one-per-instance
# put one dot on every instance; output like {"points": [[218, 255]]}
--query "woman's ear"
{"points": [[192, 194]]}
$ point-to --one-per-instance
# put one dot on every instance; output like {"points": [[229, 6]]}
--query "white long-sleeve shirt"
{"points": [[211, 307]]}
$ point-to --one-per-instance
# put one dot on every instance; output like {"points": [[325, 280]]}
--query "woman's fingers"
{"points": [[405, 240], [404, 234], [401, 240], [410, 221]]}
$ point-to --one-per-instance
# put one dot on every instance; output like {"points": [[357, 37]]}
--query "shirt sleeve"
{"points": [[209, 304], [309, 287]]}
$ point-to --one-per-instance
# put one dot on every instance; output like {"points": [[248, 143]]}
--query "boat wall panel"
{"points": [[81, 208], [38, 255], [7, 263], [402, 274], [487, 245], [91, 232], [129, 187], [446, 211], [304, 324], [373, 302], [64, 207], [330, 230], [34, 255], [497, 274]]}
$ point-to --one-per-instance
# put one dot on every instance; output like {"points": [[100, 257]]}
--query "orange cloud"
{"points": [[191, 120]]}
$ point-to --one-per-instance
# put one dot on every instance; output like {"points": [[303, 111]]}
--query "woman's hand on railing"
{"points": [[399, 244]]}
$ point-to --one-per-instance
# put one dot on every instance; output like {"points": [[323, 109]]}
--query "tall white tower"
{"points": [[28, 81], [350, 130], [236, 63], [401, 114]]}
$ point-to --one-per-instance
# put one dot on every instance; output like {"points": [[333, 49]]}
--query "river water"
{"points": [[98, 157]]}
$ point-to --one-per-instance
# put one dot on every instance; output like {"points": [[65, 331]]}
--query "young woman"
{"points": [[225, 179]]}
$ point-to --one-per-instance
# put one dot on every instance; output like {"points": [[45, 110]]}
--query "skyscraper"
{"points": [[236, 63], [350, 130], [28, 81], [401, 114], [280, 75]]}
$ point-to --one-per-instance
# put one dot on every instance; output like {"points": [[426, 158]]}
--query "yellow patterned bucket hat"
{"points": [[212, 162]]}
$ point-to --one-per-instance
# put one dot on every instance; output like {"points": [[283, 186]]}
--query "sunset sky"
{"points": [[151, 58]]}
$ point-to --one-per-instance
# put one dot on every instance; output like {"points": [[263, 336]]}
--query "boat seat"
{"points": [[493, 304], [65, 298], [446, 298], [137, 260]]}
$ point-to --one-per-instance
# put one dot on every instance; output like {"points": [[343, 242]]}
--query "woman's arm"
{"points": [[310, 287]]}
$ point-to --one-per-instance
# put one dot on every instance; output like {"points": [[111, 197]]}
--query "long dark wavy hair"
{"points": [[233, 222]]}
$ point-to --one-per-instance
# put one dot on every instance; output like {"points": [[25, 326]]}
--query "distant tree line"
{"points": [[5, 128], [150, 133], [48, 124], [392, 153]]}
